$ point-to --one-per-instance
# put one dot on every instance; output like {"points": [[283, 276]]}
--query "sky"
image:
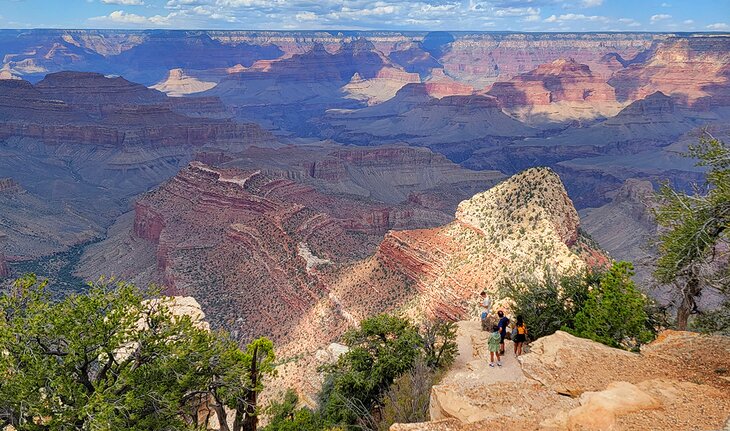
{"points": [[454, 15]]}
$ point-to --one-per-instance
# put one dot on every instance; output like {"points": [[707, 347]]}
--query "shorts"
{"points": [[520, 338], [501, 336]]}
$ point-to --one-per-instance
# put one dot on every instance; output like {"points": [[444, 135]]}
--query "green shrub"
{"points": [[615, 312], [602, 306]]}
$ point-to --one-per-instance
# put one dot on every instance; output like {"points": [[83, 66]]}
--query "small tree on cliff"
{"points": [[692, 257], [615, 311], [382, 349]]}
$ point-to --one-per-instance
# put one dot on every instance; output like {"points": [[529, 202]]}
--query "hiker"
{"points": [[494, 345], [486, 306], [502, 325], [520, 335]]}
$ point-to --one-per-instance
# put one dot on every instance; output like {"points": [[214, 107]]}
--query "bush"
{"points": [[615, 312], [109, 359], [407, 400], [602, 306], [387, 373], [382, 349], [550, 304]]}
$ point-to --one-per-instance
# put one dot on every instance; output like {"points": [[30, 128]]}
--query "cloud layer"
{"points": [[528, 15]]}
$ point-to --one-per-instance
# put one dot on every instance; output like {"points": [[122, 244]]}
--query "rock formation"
{"points": [[625, 226], [560, 90], [694, 71], [450, 125], [569, 383], [90, 109], [266, 252], [563, 80], [381, 87], [178, 83], [513, 229]]}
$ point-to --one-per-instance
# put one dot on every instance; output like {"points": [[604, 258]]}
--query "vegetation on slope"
{"points": [[384, 377]]}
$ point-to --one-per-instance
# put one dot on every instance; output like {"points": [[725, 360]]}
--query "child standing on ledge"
{"points": [[493, 344]]}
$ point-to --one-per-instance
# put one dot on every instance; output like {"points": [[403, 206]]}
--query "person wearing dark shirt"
{"points": [[503, 323]]}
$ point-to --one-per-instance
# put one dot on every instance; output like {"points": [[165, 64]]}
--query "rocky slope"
{"points": [[517, 227], [569, 383], [625, 226], [82, 145], [452, 125]]}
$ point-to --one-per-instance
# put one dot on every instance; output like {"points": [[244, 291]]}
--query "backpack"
{"points": [[521, 330]]}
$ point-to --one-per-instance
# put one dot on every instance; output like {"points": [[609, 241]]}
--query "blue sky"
{"points": [[489, 15]]}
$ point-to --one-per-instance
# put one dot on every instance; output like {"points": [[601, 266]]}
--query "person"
{"points": [[494, 344], [486, 305], [520, 335], [502, 325]]}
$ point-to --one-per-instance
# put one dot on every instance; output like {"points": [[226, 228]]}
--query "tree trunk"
{"points": [[250, 420], [220, 412], [688, 305]]}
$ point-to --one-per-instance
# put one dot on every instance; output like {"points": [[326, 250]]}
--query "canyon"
{"points": [[268, 255]]}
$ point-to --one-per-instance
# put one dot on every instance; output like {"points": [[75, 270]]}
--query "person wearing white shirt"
{"points": [[486, 306]]}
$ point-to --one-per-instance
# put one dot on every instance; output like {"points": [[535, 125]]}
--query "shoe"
{"points": [[491, 364], [499, 363]]}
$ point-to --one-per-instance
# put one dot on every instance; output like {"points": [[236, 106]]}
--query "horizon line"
{"points": [[364, 31]]}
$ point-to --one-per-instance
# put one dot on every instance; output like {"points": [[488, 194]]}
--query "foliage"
{"points": [[285, 416], [615, 312], [549, 304], [359, 390], [107, 359], [606, 307], [383, 348], [439, 345], [693, 227], [407, 400]]}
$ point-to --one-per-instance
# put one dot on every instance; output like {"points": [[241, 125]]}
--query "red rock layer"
{"points": [[559, 81], [694, 71], [61, 110], [240, 232]]}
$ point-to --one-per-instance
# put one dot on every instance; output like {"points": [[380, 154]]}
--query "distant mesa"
{"points": [[178, 83], [563, 80]]}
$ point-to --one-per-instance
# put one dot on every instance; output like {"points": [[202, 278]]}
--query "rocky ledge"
{"points": [[680, 381]]}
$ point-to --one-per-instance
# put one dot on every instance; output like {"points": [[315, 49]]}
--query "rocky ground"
{"points": [[681, 381]]}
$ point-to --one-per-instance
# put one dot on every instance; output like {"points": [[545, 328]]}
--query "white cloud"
{"points": [[591, 3], [688, 21], [121, 17], [719, 26], [516, 11], [306, 16], [660, 17], [629, 22], [576, 17], [124, 2], [666, 5]]}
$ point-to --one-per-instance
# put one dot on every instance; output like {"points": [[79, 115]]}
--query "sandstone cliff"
{"points": [[694, 71]]}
